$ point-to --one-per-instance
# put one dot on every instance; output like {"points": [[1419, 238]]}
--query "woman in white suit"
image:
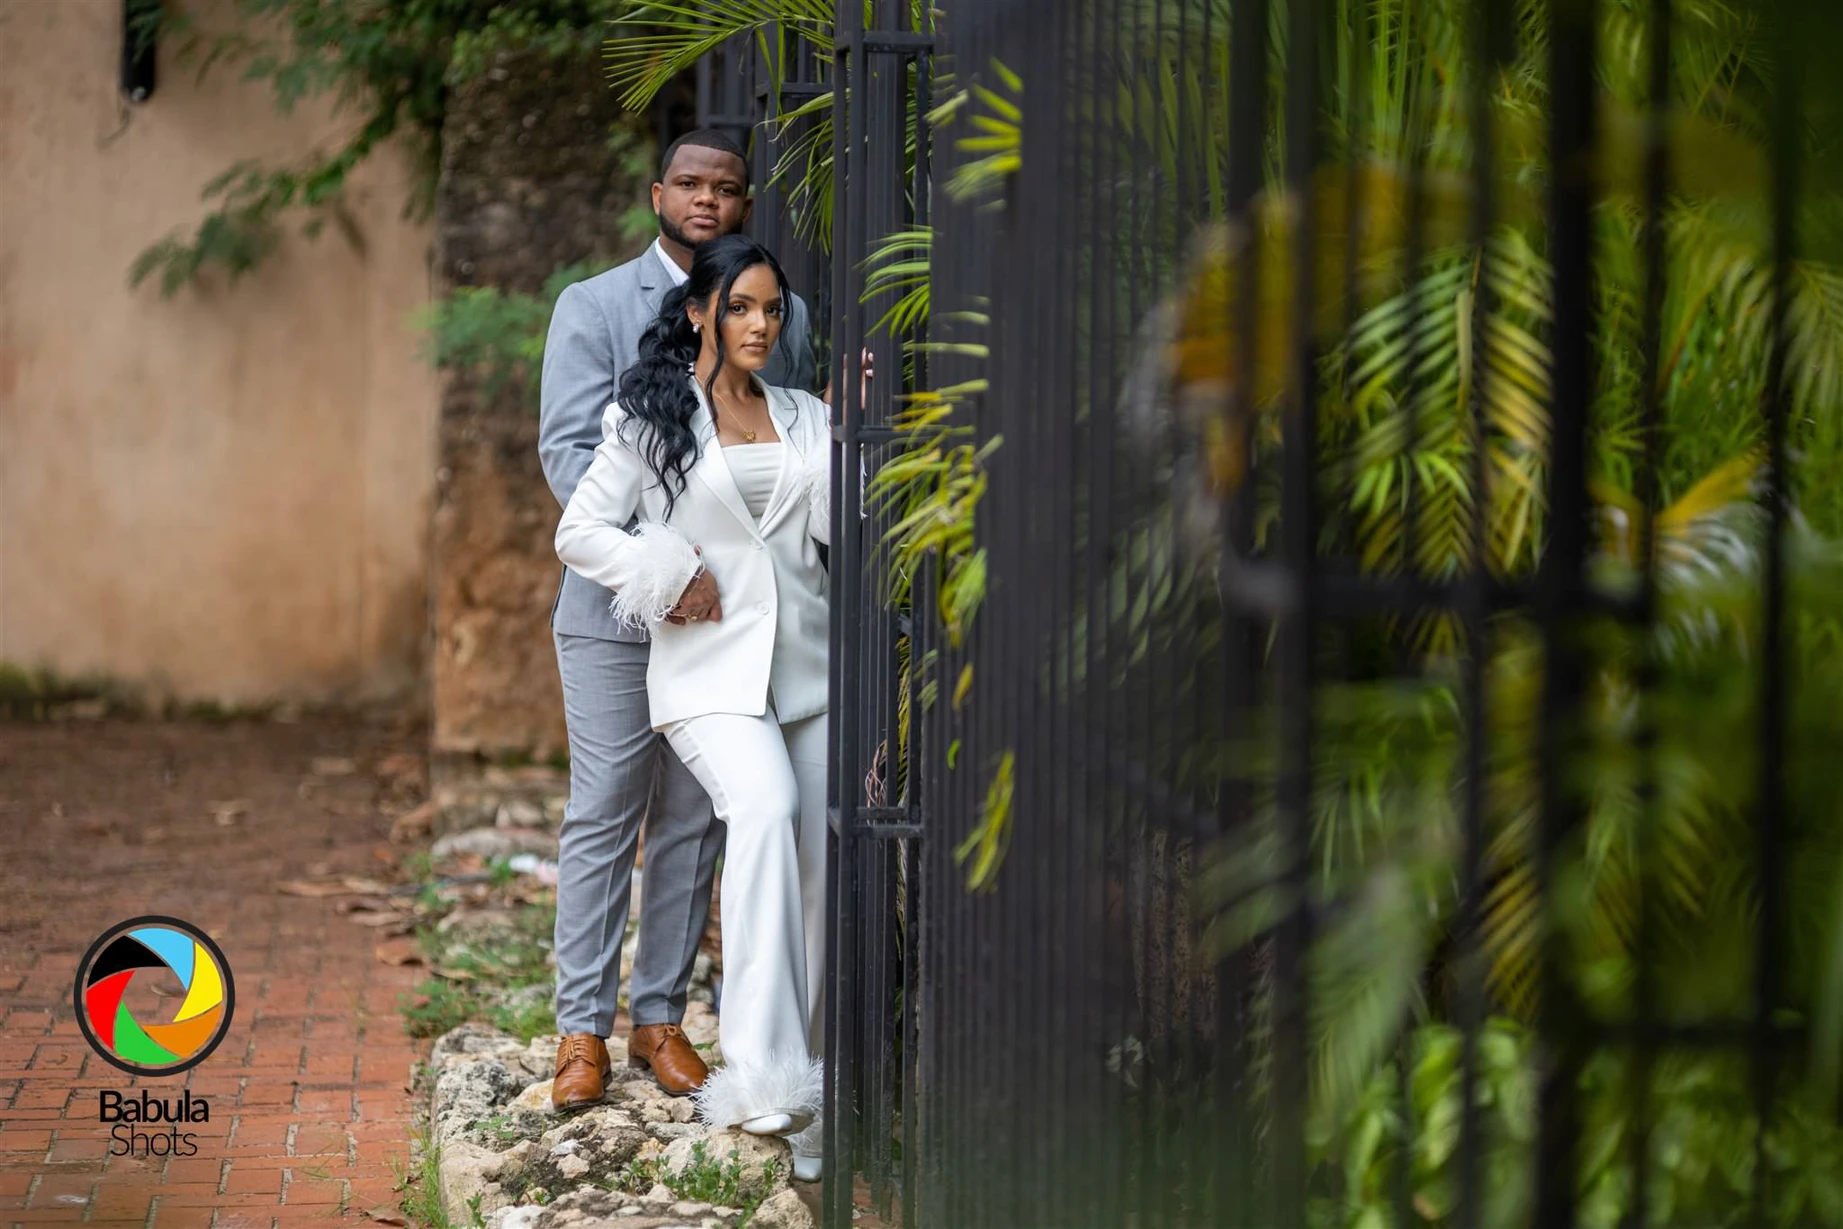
{"points": [[729, 480]]}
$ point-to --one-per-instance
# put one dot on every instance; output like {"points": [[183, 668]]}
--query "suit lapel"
{"points": [[712, 469], [792, 460]]}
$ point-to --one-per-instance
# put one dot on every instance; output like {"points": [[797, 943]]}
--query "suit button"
{"points": [[758, 544], [761, 608]]}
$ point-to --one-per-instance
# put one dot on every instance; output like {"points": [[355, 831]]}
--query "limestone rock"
{"points": [[464, 1170], [470, 1041], [535, 1099], [766, 1162], [525, 1216], [466, 1093], [513, 1158], [496, 842], [783, 1211], [581, 1208], [589, 1148]]}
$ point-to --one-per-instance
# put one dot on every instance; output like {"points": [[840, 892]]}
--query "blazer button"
{"points": [[761, 608], [758, 544]]}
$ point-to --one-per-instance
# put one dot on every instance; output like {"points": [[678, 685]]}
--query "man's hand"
{"points": [[699, 601], [866, 363]]}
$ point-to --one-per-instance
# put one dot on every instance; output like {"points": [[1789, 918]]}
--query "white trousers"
{"points": [[767, 782]]}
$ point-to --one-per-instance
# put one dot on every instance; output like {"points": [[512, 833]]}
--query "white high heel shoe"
{"points": [[808, 1146], [769, 1124]]}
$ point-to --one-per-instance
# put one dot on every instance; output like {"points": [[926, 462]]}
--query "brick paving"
{"points": [[308, 1093]]}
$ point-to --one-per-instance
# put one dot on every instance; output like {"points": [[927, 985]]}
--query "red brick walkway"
{"points": [[307, 1093]]}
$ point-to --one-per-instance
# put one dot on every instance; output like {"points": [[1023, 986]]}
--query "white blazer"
{"points": [[771, 585]]}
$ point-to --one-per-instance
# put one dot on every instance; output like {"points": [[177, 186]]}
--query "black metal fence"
{"points": [[1363, 767]]}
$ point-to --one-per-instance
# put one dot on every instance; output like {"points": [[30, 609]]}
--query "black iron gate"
{"points": [[1380, 679]]}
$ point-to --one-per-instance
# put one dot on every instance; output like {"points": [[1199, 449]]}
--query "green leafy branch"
{"points": [[396, 64]]}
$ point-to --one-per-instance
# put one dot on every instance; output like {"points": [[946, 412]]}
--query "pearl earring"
{"points": [[697, 327]]}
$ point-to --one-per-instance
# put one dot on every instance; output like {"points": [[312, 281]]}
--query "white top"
{"points": [[756, 468], [678, 275], [773, 585]]}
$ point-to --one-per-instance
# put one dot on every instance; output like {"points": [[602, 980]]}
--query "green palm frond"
{"points": [[902, 265], [997, 138], [664, 39]]}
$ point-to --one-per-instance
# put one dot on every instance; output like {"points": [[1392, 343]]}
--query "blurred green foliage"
{"points": [[394, 63]]}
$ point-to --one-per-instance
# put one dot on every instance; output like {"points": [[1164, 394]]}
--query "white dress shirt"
{"points": [[679, 276]]}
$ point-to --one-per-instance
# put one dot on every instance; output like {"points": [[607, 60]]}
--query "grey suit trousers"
{"points": [[622, 772]]}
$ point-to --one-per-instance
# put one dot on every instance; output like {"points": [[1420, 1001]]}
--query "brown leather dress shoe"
{"points": [[582, 1071], [666, 1049]]}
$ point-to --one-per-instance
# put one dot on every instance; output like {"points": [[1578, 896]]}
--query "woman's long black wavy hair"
{"points": [[654, 390]]}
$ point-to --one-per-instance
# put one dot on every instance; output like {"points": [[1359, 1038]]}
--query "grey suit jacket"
{"points": [[594, 338]]}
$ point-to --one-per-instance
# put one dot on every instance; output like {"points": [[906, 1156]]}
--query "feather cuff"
{"points": [[818, 479], [663, 564], [810, 1142], [793, 1084]]}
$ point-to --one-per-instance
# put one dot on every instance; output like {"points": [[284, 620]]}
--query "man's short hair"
{"points": [[708, 138]]}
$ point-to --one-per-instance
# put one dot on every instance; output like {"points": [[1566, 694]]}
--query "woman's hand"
{"points": [[866, 369], [699, 601]]}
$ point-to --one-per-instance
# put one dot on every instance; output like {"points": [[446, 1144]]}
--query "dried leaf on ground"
{"points": [[403, 764], [366, 904], [415, 824], [399, 950], [380, 920], [304, 887], [334, 766], [463, 864], [370, 887], [386, 1216]]}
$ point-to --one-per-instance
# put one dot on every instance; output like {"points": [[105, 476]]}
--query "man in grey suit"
{"points": [[620, 770]]}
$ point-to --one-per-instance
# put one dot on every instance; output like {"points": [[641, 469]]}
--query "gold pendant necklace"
{"points": [[748, 437]]}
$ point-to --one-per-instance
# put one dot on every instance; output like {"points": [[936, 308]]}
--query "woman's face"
{"points": [[750, 321]]}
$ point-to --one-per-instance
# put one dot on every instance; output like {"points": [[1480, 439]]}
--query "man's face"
{"points": [[702, 196]]}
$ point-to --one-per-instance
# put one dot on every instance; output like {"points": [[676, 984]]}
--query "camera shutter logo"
{"points": [[140, 947]]}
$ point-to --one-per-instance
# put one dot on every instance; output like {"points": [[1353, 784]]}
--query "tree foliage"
{"points": [[391, 65]]}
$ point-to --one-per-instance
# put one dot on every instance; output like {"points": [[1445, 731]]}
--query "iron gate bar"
{"points": [[865, 873], [1297, 637], [1787, 164], [901, 42], [1479, 596], [1247, 120], [847, 334], [1571, 146], [1651, 428]]}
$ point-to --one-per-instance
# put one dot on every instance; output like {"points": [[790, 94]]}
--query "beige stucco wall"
{"points": [[226, 494]]}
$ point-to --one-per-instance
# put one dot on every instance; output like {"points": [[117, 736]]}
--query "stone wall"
{"points": [[534, 178]]}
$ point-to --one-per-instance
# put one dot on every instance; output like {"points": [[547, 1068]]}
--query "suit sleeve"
{"points": [[818, 475], [803, 373], [578, 383], [647, 567]]}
